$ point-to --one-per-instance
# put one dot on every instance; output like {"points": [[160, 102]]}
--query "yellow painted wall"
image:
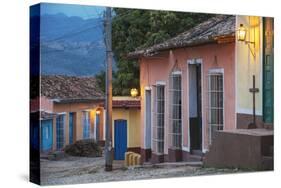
{"points": [[132, 116], [78, 108], [247, 65], [134, 128]]}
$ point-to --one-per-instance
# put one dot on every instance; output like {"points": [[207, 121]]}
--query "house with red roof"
{"points": [[73, 108], [199, 96]]}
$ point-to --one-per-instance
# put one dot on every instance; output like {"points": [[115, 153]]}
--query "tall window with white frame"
{"points": [[159, 115], [60, 131], [86, 124], [175, 109], [216, 106]]}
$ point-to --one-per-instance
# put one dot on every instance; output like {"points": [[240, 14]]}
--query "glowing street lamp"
{"points": [[241, 36], [241, 33], [134, 92]]}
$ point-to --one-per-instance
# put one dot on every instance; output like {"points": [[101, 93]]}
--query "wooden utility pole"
{"points": [[108, 129]]}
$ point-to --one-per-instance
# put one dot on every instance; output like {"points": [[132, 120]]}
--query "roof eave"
{"points": [[212, 40], [79, 100]]}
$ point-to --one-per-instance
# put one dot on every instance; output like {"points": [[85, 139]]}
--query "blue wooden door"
{"points": [[46, 135], [71, 127], [97, 127], [120, 139]]}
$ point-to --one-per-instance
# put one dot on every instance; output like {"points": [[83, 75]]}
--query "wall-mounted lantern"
{"points": [[241, 36], [241, 33], [98, 112], [134, 92]]}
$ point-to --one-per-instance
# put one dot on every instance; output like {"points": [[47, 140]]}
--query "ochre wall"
{"points": [[158, 68], [132, 115], [78, 108], [247, 65]]}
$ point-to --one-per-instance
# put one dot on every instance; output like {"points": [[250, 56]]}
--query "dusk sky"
{"points": [[83, 11]]}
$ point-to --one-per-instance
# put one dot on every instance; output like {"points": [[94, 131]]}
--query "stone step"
{"points": [[197, 152], [194, 158]]}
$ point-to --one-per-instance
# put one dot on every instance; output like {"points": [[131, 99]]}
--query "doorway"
{"points": [[148, 119], [120, 139], [195, 107]]}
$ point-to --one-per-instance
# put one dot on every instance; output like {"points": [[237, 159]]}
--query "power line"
{"points": [[75, 33]]}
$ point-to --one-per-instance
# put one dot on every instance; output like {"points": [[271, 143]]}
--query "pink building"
{"points": [[187, 91]]}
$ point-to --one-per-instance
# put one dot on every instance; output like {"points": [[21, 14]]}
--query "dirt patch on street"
{"points": [[73, 170]]}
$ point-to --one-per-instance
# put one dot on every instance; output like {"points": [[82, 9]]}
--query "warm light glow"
{"points": [[134, 92], [241, 33], [98, 112]]}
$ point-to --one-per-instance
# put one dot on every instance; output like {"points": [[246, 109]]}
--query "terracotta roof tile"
{"points": [[206, 32], [70, 87], [126, 104]]}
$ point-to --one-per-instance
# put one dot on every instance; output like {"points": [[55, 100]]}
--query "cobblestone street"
{"points": [[73, 170]]}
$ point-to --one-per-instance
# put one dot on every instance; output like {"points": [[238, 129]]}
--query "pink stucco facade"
{"points": [[157, 69]]}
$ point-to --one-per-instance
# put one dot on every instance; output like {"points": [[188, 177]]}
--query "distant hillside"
{"points": [[71, 45]]}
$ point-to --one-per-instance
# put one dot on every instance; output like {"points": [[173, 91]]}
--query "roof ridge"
{"points": [[188, 37]]}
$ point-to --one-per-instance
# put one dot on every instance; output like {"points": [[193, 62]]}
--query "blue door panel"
{"points": [[71, 127], [120, 139], [46, 135], [97, 127]]}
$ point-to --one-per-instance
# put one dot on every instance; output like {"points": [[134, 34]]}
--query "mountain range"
{"points": [[71, 45]]}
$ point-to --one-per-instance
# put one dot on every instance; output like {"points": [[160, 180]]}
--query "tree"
{"points": [[134, 28], [100, 77]]}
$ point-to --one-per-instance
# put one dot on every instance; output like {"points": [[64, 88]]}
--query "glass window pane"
{"points": [[216, 103]]}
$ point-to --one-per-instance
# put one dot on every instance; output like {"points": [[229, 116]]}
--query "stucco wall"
{"points": [[247, 65], [46, 104], [132, 115], [78, 108], [158, 68]]}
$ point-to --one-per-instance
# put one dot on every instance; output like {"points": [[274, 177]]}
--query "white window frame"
{"points": [[84, 119], [63, 115], [171, 119], [147, 88], [156, 141], [212, 72]]}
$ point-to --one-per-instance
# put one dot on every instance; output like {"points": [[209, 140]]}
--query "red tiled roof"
{"points": [[70, 88], [206, 32], [126, 104]]}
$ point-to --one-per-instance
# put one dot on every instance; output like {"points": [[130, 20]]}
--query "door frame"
{"points": [[148, 89], [115, 135], [50, 132], [196, 61]]}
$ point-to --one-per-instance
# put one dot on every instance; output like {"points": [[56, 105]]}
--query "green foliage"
{"points": [[133, 28], [100, 77]]}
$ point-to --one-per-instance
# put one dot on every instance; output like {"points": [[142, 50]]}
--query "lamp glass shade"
{"points": [[134, 92], [241, 33], [98, 112]]}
